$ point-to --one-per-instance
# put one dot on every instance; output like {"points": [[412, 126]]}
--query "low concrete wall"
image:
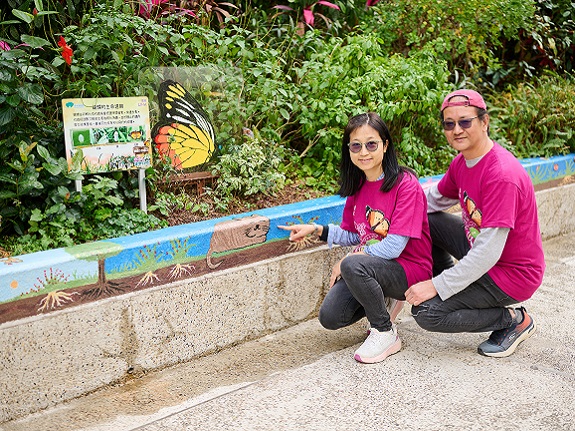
{"points": [[50, 358], [556, 206]]}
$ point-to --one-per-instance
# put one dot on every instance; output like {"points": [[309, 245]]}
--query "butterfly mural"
{"points": [[184, 132]]}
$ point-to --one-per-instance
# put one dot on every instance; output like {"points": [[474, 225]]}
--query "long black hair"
{"points": [[351, 178]]}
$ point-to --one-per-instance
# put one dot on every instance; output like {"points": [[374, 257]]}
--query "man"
{"points": [[496, 241]]}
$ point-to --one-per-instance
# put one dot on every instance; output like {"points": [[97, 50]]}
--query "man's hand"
{"points": [[420, 292]]}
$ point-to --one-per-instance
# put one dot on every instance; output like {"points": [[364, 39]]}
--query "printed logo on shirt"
{"points": [[377, 221], [471, 218]]}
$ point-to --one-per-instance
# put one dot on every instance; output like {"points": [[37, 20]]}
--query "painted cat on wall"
{"points": [[236, 234]]}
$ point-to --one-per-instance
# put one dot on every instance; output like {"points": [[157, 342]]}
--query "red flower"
{"points": [[66, 50]]}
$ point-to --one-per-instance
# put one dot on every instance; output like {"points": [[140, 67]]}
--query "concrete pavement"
{"points": [[305, 378]]}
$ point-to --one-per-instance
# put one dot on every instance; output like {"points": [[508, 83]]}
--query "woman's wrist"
{"points": [[316, 231]]}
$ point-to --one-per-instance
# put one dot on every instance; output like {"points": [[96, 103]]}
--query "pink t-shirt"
{"points": [[401, 211], [497, 192]]}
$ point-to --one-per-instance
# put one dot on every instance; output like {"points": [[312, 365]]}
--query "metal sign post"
{"points": [[142, 187]]}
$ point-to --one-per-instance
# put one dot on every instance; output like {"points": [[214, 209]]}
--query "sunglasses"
{"points": [[464, 124], [371, 146]]}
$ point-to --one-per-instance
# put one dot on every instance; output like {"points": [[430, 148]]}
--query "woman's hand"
{"points": [[300, 231], [335, 273]]}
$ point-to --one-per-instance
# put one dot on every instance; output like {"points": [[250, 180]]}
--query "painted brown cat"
{"points": [[236, 234]]}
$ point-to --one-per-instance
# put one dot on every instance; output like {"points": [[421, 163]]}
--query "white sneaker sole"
{"points": [[394, 348], [514, 346]]}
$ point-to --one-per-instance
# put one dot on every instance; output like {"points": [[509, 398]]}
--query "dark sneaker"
{"points": [[503, 342]]}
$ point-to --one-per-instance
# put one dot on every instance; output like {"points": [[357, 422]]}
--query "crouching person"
{"points": [[496, 241]]}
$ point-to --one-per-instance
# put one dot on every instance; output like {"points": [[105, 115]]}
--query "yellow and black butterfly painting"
{"points": [[184, 132]]}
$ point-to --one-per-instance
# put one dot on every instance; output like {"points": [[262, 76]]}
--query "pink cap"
{"points": [[473, 99]]}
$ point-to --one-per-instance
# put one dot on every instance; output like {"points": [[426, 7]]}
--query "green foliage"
{"points": [[111, 48], [19, 179], [467, 34], [166, 202], [347, 77], [306, 15], [295, 89], [23, 74], [553, 36], [33, 79], [25, 179], [247, 169], [44, 18], [208, 13], [72, 218], [536, 119]]}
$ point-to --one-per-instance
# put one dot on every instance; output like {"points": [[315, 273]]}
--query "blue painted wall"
{"points": [[57, 278]]}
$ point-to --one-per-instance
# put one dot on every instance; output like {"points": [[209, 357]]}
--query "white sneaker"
{"points": [[378, 346], [394, 307]]}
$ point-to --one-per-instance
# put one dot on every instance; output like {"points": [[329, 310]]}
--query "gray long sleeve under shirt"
{"points": [[486, 251]]}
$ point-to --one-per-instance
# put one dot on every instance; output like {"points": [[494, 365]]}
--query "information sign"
{"points": [[112, 133]]}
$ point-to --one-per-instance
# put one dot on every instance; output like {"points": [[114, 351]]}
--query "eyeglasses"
{"points": [[464, 124], [371, 146]]}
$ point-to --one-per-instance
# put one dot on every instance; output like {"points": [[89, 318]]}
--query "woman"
{"points": [[385, 218]]}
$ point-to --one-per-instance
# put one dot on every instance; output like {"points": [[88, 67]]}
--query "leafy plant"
{"points": [[294, 90], [355, 74], [308, 15], [204, 12], [30, 134], [247, 169], [77, 217], [22, 75], [468, 35], [111, 48], [166, 202], [41, 18], [551, 43], [536, 118]]}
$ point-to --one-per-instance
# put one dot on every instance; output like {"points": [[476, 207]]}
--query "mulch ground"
{"points": [[291, 193]]}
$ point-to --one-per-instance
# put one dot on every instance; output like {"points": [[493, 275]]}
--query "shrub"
{"points": [[73, 218], [354, 75], [536, 118], [30, 135], [551, 43], [247, 169], [111, 48], [295, 92], [467, 34]]}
